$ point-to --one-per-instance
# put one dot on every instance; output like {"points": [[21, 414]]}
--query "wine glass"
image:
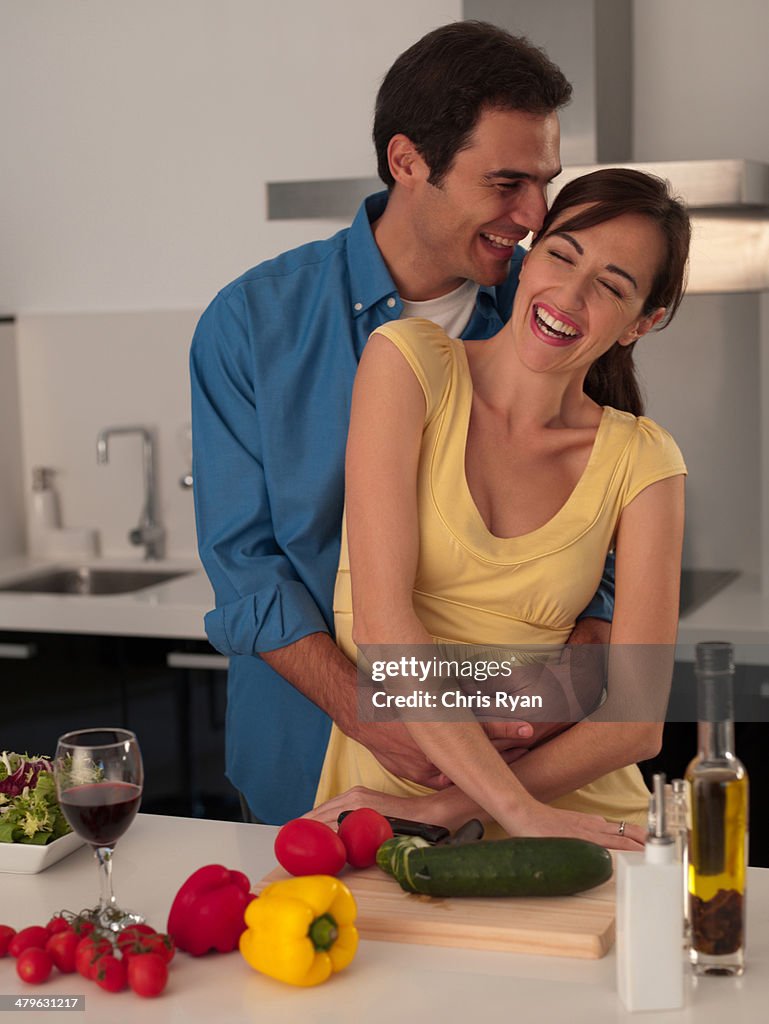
{"points": [[99, 777]]}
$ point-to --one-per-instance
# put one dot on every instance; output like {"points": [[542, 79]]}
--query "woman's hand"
{"points": [[534, 818], [537, 819]]}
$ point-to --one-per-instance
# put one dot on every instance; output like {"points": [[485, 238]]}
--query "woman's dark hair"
{"points": [[612, 192], [435, 92]]}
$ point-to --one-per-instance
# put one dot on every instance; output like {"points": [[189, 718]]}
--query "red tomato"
{"points": [[33, 937], [34, 965], [132, 934], [82, 926], [110, 973], [62, 947], [307, 847], [163, 945], [6, 934], [58, 924], [87, 954], [140, 929], [147, 974], [363, 832]]}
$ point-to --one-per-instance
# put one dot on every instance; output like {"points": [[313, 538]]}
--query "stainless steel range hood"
{"points": [[591, 40], [729, 203], [706, 185]]}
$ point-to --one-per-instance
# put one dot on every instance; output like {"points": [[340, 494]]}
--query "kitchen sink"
{"points": [[86, 581]]}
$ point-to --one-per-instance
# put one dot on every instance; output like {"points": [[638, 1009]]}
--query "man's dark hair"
{"points": [[435, 92]]}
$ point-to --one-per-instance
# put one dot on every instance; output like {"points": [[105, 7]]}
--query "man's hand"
{"points": [[590, 631], [392, 745]]}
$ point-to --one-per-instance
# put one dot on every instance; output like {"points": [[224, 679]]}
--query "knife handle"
{"points": [[404, 827]]}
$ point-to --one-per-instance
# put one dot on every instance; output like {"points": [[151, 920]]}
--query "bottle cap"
{"points": [[715, 656], [658, 826], [660, 845]]}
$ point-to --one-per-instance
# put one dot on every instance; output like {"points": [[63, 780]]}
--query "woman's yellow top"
{"points": [[472, 587]]}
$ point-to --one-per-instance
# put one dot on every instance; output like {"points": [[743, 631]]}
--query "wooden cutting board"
{"points": [[577, 926]]}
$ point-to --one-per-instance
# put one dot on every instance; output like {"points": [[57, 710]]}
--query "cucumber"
{"points": [[502, 867], [389, 856]]}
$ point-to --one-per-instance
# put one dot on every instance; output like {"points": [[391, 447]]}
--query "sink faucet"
{"points": [[149, 532]]}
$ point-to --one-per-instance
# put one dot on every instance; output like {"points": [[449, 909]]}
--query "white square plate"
{"points": [[26, 859]]}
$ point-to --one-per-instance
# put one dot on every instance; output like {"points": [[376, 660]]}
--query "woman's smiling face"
{"points": [[582, 291]]}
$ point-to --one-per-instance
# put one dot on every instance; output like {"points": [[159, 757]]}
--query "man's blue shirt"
{"points": [[272, 365]]}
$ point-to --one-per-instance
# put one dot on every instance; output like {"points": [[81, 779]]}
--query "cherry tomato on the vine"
{"points": [[163, 945], [88, 952], [35, 936], [6, 935], [58, 924], [34, 965], [147, 974], [110, 973], [63, 946]]}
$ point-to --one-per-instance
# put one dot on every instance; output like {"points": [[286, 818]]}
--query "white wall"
{"points": [[702, 379], [139, 136], [11, 484], [701, 79]]}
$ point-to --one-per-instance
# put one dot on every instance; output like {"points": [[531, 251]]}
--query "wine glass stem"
{"points": [[103, 856]]}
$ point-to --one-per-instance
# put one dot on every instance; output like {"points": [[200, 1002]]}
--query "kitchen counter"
{"points": [[172, 609], [385, 981], [738, 613]]}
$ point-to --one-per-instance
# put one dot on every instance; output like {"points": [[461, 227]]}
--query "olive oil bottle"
{"points": [[718, 823]]}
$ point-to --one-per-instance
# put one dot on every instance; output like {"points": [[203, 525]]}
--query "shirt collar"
{"points": [[370, 280], [487, 302]]}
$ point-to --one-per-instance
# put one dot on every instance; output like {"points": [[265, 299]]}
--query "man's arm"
{"points": [[319, 670]]}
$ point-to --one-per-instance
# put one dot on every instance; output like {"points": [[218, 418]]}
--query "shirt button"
{"points": [[391, 302], [358, 307]]}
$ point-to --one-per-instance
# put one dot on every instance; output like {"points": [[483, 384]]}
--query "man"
{"points": [[467, 139]]}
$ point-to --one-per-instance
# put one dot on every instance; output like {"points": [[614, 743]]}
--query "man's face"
{"points": [[490, 199]]}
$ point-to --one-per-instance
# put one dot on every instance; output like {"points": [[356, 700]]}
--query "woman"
{"points": [[486, 483]]}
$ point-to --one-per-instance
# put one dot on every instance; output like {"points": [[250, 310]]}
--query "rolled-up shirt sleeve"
{"points": [[261, 604]]}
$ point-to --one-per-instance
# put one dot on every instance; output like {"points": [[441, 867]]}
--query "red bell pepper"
{"points": [[207, 912]]}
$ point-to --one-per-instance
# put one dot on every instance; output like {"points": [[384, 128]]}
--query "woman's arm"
{"points": [[386, 424]]}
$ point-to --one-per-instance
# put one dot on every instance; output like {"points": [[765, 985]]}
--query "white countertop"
{"points": [[171, 609], [385, 982]]}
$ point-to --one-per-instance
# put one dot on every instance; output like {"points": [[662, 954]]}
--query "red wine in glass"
{"points": [[101, 812], [99, 778]]}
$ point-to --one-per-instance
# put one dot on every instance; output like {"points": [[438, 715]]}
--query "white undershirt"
{"points": [[451, 312]]}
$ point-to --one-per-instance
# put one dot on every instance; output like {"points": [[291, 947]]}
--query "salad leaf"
{"points": [[29, 810]]}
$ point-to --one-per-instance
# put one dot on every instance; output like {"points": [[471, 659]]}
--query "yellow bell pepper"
{"points": [[301, 930]]}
